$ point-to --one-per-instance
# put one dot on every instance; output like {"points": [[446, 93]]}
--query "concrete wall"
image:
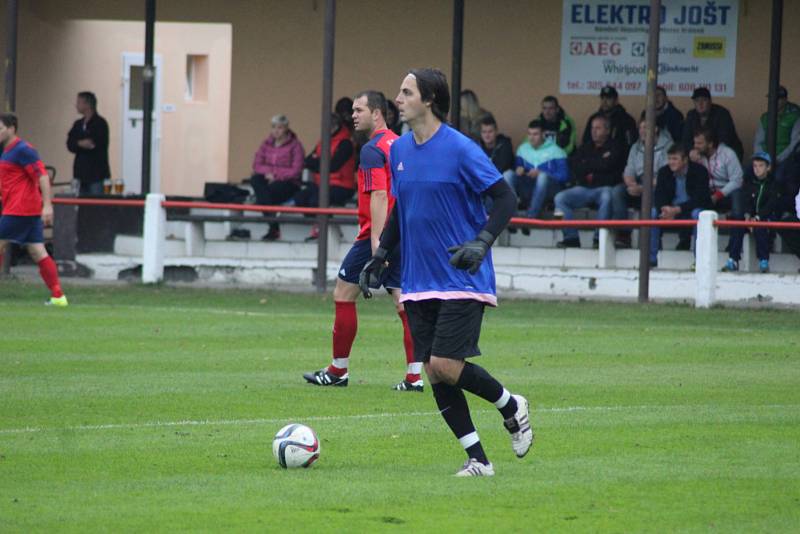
{"points": [[87, 54], [511, 57]]}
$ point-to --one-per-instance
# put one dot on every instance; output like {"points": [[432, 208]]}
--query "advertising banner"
{"points": [[605, 43]]}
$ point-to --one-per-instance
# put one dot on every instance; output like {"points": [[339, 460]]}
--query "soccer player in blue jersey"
{"points": [[444, 234]]}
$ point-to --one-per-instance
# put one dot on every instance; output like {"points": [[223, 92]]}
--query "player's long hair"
{"points": [[433, 88]]}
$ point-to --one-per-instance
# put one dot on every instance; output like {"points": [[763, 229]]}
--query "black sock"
{"points": [[478, 381], [455, 410]]}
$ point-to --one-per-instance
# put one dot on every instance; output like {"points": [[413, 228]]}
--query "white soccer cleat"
{"points": [[520, 427], [474, 468]]}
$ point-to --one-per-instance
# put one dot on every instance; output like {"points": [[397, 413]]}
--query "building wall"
{"points": [[511, 57]]}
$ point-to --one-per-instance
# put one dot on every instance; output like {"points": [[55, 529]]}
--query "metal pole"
{"points": [[148, 78], [325, 141], [774, 78], [649, 144], [10, 94], [458, 52]]}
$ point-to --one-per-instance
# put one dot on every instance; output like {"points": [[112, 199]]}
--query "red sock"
{"points": [[408, 343], [49, 273], [345, 326]]}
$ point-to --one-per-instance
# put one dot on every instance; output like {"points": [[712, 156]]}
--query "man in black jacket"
{"points": [[597, 167], [88, 140], [668, 117], [624, 129], [682, 192], [717, 118], [497, 147]]}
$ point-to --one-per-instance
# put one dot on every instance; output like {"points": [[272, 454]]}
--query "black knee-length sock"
{"points": [[455, 411], [478, 381]]}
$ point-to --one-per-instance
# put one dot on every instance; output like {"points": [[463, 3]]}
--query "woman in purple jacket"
{"points": [[277, 168]]}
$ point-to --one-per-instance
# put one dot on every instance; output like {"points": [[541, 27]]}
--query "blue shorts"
{"points": [[22, 229], [360, 253]]}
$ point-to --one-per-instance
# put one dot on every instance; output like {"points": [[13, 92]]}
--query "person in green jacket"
{"points": [[788, 132]]}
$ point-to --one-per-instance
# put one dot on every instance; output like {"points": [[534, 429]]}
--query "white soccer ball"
{"points": [[295, 445]]}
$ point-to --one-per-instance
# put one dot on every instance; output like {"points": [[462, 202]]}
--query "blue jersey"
{"points": [[437, 188]]}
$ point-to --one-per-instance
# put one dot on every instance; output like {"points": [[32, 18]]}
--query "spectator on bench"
{"points": [[712, 116], [342, 171], [498, 147], [597, 168], [788, 133], [541, 170], [792, 237], [621, 124], [726, 177], [630, 196], [393, 118], [277, 168], [760, 197], [557, 125], [668, 117], [681, 193], [471, 115]]}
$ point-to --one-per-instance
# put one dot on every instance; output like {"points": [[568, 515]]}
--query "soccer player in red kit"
{"points": [[25, 194], [374, 204]]}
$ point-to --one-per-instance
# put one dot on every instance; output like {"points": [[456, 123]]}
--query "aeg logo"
{"points": [[592, 48]]}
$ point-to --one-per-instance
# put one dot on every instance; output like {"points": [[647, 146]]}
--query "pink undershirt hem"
{"points": [[491, 300]]}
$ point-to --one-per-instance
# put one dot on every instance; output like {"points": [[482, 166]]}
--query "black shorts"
{"points": [[445, 328]]}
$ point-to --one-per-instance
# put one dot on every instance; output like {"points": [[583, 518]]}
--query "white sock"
{"points": [[341, 363], [414, 368], [503, 400], [469, 440]]}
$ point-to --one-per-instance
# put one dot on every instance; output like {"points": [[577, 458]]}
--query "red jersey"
{"points": [[374, 174], [20, 169]]}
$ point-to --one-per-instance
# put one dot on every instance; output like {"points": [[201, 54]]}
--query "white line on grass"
{"points": [[263, 421]]}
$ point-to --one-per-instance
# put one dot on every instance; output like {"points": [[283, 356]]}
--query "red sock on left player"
{"points": [[413, 368], [49, 273], [345, 327]]}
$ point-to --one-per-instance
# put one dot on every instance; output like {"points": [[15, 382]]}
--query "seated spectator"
{"points": [[498, 147], [471, 115], [668, 118], [681, 193], [792, 237], [788, 136], [344, 109], [342, 171], [623, 126], [393, 118], [557, 125], [760, 198], [630, 196], [725, 173], [712, 116], [541, 170], [277, 168], [596, 168]]}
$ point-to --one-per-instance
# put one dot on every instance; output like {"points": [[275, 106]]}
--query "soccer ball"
{"points": [[295, 445]]}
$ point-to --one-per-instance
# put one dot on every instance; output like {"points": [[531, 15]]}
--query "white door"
{"points": [[133, 114]]}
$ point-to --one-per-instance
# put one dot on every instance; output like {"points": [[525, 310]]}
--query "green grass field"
{"points": [[153, 409]]}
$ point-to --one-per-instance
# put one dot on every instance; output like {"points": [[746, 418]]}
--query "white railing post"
{"points": [[607, 253], [706, 256], [155, 230]]}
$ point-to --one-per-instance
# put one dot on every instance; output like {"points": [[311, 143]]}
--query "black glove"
{"points": [[469, 255], [371, 273]]}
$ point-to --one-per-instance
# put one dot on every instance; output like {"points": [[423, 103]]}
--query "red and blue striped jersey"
{"points": [[20, 169], [374, 174]]}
